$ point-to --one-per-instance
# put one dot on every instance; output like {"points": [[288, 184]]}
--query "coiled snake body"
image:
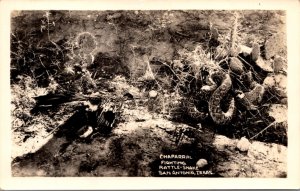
{"points": [[214, 102], [217, 114]]}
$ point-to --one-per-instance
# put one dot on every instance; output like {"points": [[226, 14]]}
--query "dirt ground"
{"points": [[47, 55]]}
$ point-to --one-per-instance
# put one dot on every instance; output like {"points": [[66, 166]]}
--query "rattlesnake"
{"points": [[192, 110], [217, 114], [214, 102]]}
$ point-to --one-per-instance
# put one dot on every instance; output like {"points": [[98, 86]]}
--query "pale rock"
{"points": [[243, 144], [153, 94], [201, 163], [41, 172]]}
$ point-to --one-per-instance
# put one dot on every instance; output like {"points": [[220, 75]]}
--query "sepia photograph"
{"points": [[173, 93], [149, 93]]}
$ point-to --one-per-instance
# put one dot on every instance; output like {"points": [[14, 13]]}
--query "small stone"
{"points": [[201, 163], [236, 65], [153, 94], [243, 145], [255, 51], [41, 172]]}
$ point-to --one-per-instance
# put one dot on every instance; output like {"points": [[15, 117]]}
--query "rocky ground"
{"points": [[134, 147]]}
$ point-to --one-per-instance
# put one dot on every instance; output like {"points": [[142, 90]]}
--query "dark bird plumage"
{"points": [[53, 100]]}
